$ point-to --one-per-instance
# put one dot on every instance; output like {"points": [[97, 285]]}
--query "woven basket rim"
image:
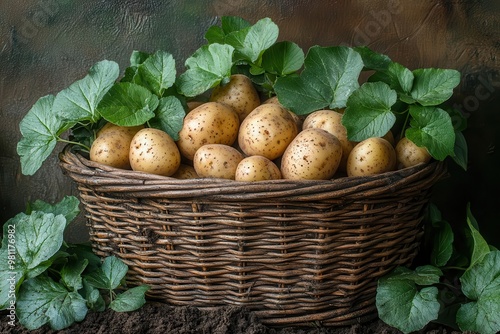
{"points": [[135, 183]]}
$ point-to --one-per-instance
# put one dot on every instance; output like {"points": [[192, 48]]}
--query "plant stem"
{"points": [[74, 143]]}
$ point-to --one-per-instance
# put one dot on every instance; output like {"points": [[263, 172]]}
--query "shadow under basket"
{"points": [[297, 253]]}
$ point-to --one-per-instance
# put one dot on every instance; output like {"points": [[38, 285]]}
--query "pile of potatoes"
{"points": [[236, 136]]}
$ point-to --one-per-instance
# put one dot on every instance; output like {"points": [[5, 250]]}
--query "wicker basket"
{"points": [[295, 252]]}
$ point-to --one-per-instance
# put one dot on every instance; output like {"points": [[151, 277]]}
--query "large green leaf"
{"points": [[481, 284], [79, 101], [157, 72], [40, 129], [169, 116], [128, 104], [442, 248], [368, 113], [433, 86], [283, 58], [431, 127], [205, 69], [477, 245], [329, 77], [68, 206], [42, 301], [110, 275]]}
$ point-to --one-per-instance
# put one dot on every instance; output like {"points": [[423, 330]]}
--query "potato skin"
{"points": [[239, 93], [112, 149], [408, 154], [267, 131], [331, 121], [154, 151], [314, 154], [257, 168], [185, 172], [209, 123], [217, 161], [371, 156], [110, 127]]}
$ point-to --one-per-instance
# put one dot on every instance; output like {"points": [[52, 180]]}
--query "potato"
{"points": [[257, 168], [267, 131], [217, 161], [331, 121], [314, 154], [112, 149], [209, 123], [389, 136], [371, 156], [154, 151], [408, 154], [239, 93], [299, 120], [185, 172]]}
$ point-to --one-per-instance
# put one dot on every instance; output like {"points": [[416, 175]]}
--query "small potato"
{"points": [[185, 172], [112, 149], [371, 156], [267, 131], [314, 154], [209, 123], [408, 154], [331, 121], [239, 93], [154, 151], [257, 168], [217, 161]]}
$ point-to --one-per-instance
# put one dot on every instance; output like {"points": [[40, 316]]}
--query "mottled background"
{"points": [[47, 44]]}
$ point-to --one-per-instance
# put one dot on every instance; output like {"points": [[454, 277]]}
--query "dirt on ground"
{"points": [[156, 318]]}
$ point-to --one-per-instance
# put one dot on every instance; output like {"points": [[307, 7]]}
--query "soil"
{"points": [[155, 318]]}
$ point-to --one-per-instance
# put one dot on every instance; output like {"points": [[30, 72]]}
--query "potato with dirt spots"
{"points": [[371, 156], [331, 121], [238, 93], [408, 154], [128, 130], [112, 149], [185, 172], [209, 123], [154, 151], [267, 131], [314, 154], [257, 168], [217, 161]]}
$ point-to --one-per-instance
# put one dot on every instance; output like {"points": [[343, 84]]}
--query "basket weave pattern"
{"points": [[295, 252]]}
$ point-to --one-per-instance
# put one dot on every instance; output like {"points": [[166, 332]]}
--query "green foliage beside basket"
{"points": [[47, 281], [459, 288]]}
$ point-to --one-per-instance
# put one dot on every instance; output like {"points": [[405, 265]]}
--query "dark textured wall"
{"points": [[47, 44]]}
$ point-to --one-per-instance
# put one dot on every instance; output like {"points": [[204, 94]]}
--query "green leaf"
{"points": [[94, 299], [431, 127], [249, 43], [477, 244], [442, 249], [461, 155], [138, 57], [110, 275], [283, 58], [42, 301], [169, 116], [128, 104], [68, 206], [10, 277], [79, 101], [368, 112], [329, 77], [206, 69], [373, 60], [422, 275], [481, 284], [38, 237], [40, 129], [402, 305], [157, 72], [229, 24], [130, 300], [396, 76], [71, 273], [433, 86]]}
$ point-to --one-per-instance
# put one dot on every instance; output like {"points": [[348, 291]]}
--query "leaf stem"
{"points": [[403, 128], [74, 143]]}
